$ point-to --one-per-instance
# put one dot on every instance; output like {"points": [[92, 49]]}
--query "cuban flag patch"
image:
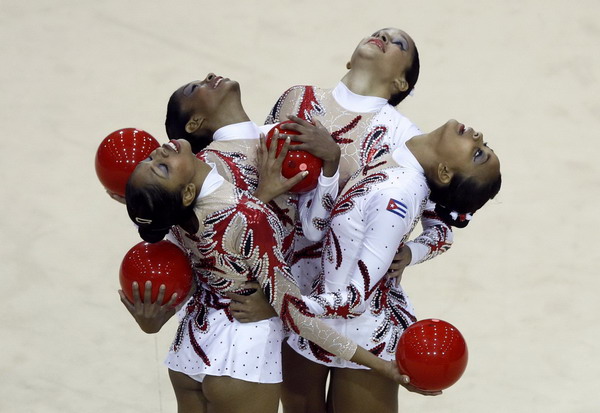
{"points": [[397, 207]]}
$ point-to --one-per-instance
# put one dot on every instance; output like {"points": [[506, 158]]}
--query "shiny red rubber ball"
{"points": [[297, 161], [433, 353], [162, 263], [119, 153]]}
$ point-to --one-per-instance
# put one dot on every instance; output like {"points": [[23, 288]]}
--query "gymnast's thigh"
{"points": [[226, 394], [304, 383], [359, 390], [188, 393]]}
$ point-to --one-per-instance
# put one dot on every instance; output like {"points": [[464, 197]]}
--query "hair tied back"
{"points": [[461, 217]]}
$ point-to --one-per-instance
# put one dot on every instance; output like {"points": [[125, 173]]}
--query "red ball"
{"points": [[297, 161], [118, 155], [162, 263], [433, 353]]}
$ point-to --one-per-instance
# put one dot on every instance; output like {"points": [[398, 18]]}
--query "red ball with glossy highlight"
{"points": [[119, 153], [433, 353], [162, 263], [297, 161]]}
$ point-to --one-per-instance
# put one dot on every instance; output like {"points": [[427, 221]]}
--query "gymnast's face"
{"points": [[171, 166], [208, 100], [389, 52], [463, 150]]}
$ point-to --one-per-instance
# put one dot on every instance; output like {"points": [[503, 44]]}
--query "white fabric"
{"points": [[212, 181], [245, 351], [356, 103], [241, 130]]}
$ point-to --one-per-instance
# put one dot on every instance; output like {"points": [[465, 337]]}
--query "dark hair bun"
{"points": [[444, 214], [152, 235]]}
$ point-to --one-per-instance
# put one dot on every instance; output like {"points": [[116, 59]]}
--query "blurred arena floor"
{"points": [[521, 282]]}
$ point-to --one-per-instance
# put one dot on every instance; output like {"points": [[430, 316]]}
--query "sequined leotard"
{"points": [[239, 240], [366, 128]]}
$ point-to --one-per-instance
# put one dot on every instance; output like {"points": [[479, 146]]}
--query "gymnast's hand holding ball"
{"points": [[150, 316], [166, 275]]}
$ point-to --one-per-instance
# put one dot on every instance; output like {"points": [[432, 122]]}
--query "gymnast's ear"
{"points": [[194, 124], [444, 174], [399, 85], [188, 194]]}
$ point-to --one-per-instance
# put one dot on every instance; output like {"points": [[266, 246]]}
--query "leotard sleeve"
{"points": [[435, 239], [315, 206]]}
